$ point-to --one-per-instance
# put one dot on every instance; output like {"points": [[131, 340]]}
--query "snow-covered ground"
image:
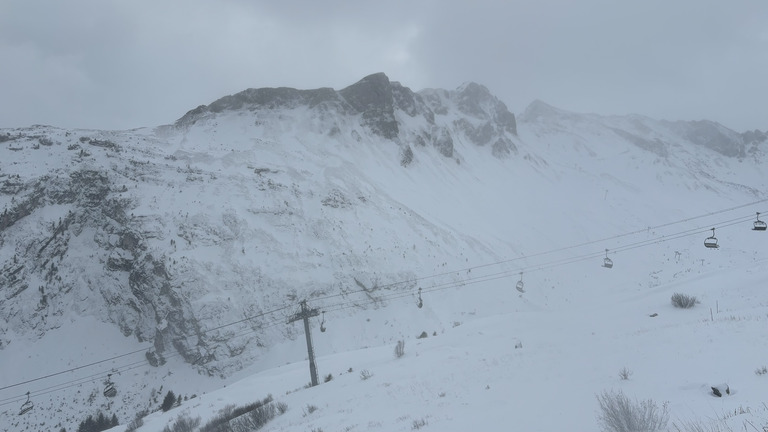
{"points": [[471, 376], [243, 203]]}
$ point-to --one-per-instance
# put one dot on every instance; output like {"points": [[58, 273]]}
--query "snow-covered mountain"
{"points": [[197, 239]]}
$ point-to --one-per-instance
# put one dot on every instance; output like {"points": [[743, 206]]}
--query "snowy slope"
{"points": [[171, 233]]}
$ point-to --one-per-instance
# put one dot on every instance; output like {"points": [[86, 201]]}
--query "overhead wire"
{"points": [[335, 307], [94, 377], [552, 251]]}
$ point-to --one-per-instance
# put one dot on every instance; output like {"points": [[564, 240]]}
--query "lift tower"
{"points": [[305, 314]]}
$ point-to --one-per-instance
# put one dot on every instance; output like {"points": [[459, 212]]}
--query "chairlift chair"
{"points": [[420, 304], [607, 262], [759, 225], [520, 285], [109, 389], [26, 406], [711, 242], [322, 324]]}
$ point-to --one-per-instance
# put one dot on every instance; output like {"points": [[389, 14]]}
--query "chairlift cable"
{"points": [[447, 285], [640, 231]]}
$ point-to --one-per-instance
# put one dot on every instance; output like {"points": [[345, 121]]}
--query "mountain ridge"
{"points": [[273, 195]]}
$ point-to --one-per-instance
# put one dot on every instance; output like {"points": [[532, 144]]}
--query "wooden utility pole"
{"points": [[305, 314]]}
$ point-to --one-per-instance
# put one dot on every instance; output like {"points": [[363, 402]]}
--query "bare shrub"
{"points": [[761, 370], [624, 374], [137, 422], [254, 419], [619, 414], [364, 374], [400, 349], [683, 301], [183, 424], [328, 377], [309, 409], [418, 424], [698, 426], [244, 418], [282, 407]]}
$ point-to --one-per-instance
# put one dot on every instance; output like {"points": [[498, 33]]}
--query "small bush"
{"points": [[364, 374], [328, 377], [761, 370], [683, 301], [400, 349], [423, 335], [255, 419], [244, 418], [183, 424], [137, 422], [619, 414], [418, 424], [624, 374], [309, 409], [282, 407]]}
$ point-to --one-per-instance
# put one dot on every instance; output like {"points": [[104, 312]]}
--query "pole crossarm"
{"points": [[304, 313]]}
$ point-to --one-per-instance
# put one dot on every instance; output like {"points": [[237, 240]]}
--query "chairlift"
{"points": [[759, 225], [520, 285], [109, 389], [607, 262], [322, 324], [26, 406], [421, 302], [711, 242]]}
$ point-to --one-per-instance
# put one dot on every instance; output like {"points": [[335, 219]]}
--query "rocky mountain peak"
{"points": [[476, 100], [262, 98], [372, 96], [380, 106], [370, 93]]}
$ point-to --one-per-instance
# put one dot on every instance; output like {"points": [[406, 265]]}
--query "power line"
{"points": [[399, 294], [71, 369], [552, 251], [133, 352]]}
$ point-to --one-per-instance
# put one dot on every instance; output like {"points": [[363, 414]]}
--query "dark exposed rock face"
{"points": [[372, 96], [480, 118], [711, 135], [266, 99], [98, 214], [476, 101]]}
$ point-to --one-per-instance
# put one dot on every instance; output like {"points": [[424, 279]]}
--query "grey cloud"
{"points": [[112, 64]]}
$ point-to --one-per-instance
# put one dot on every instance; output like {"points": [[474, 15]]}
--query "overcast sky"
{"points": [[110, 64]]}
